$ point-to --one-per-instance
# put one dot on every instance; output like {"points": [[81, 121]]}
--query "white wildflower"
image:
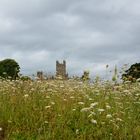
{"points": [[46, 107], [71, 97], [101, 110], [118, 119], [53, 103], [108, 107], [138, 80], [93, 121], [87, 96], [91, 114], [64, 99], [108, 116], [26, 95], [102, 123], [127, 82], [137, 94], [117, 98], [62, 86], [81, 103], [93, 104], [49, 90], [112, 121], [116, 126], [9, 121], [96, 91], [126, 91], [85, 109], [77, 131], [122, 112], [137, 103], [32, 89], [1, 129], [46, 122], [48, 97]]}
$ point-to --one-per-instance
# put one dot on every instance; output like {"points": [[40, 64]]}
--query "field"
{"points": [[69, 110]]}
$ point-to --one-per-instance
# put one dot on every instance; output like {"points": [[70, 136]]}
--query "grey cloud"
{"points": [[88, 34]]}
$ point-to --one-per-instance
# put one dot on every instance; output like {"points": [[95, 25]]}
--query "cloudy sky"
{"points": [[88, 34]]}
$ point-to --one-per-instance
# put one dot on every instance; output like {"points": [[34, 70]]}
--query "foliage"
{"points": [[85, 76], [133, 73], [9, 69], [25, 78], [69, 110]]}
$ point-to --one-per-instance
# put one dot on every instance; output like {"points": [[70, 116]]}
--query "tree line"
{"points": [[9, 69]]}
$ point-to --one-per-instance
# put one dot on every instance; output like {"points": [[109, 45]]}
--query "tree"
{"points": [[9, 69], [133, 73], [85, 76], [25, 78]]}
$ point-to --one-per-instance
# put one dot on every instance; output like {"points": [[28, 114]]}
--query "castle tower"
{"points": [[40, 75], [61, 70]]}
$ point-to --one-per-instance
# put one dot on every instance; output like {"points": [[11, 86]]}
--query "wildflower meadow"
{"points": [[69, 110]]}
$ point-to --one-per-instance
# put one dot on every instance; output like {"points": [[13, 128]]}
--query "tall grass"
{"points": [[69, 110]]}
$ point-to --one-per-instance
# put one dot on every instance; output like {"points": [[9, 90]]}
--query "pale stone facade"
{"points": [[61, 70]]}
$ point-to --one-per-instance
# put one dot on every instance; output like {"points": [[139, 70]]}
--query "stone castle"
{"points": [[61, 71]]}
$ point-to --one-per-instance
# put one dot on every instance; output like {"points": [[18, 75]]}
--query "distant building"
{"points": [[40, 75], [61, 70]]}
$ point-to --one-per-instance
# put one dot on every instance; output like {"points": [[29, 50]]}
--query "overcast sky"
{"points": [[88, 34]]}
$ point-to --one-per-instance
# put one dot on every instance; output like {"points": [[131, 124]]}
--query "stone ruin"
{"points": [[61, 70]]}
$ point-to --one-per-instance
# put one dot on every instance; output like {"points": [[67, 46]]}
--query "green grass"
{"points": [[68, 110]]}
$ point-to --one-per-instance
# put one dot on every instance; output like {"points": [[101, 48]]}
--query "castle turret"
{"points": [[61, 70]]}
